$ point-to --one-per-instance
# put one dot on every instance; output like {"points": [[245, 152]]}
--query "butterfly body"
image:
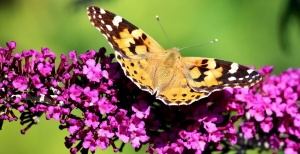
{"points": [[165, 69], [173, 79]]}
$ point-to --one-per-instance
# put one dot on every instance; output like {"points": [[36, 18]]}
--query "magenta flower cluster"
{"points": [[272, 115], [112, 107]]}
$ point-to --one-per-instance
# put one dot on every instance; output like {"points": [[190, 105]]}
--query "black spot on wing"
{"points": [[204, 61], [134, 80], [178, 102], [202, 75], [144, 36], [123, 65], [188, 101], [139, 42], [118, 57]]}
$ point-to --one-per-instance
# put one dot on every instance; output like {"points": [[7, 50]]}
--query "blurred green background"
{"points": [[249, 32]]}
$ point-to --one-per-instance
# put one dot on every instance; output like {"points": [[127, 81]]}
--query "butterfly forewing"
{"points": [[208, 74], [125, 38], [174, 80]]}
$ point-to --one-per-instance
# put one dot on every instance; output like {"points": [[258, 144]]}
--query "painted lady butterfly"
{"points": [[173, 79]]}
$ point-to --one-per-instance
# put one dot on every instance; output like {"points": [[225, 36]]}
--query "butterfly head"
{"points": [[171, 56]]}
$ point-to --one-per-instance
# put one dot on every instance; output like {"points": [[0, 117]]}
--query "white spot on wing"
{"points": [[102, 22], [109, 27], [99, 16], [102, 11], [234, 68], [232, 78], [117, 20], [249, 71]]}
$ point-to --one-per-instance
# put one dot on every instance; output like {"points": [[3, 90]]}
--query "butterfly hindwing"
{"points": [[208, 74], [138, 72], [178, 92]]}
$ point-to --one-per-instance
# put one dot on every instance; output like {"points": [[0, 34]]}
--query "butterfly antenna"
{"points": [[157, 18], [213, 41]]}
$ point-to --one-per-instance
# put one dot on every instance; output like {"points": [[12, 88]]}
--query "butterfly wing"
{"points": [[124, 37], [139, 72], [139, 56], [208, 74], [132, 46], [178, 91]]}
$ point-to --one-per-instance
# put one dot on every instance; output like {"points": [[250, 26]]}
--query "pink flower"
{"points": [[248, 129], [267, 124]]}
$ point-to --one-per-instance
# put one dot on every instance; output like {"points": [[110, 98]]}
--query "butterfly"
{"points": [[173, 79]]}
